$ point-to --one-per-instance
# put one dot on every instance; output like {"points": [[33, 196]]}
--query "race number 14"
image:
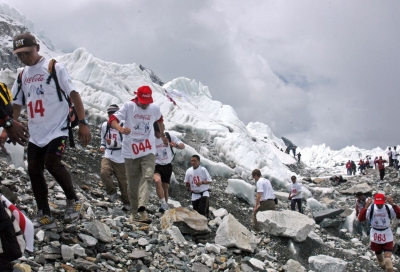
{"points": [[141, 147]]}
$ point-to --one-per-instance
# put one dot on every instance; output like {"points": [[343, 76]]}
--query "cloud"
{"points": [[314, 71]]}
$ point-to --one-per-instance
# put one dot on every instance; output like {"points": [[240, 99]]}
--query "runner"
{"points": [[113, 163], [138, 146], [197, 180], [265, 199], [295, 195], [381, 235], [47, 116], [163, 170]]}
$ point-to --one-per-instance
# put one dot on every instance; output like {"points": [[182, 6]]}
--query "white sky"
{"points": [[314, 71]]}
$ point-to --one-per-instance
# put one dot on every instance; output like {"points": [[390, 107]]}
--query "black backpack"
{"points": [[72, 120], [12, 242], [109, 135], [169, 139], [372, 211]]}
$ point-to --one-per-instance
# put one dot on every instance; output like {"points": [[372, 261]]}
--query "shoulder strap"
{"points": [[19, 82], [388, 211], [53, 75], [371, 214], [169, 139], [109, 133]]}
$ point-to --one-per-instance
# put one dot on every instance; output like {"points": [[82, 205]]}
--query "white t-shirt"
{"points": [[394, 154], [294, 188], [164, 154], [141, 141], [47, 115], [389, 152], [199, 174], [264, 186], [381, 221], [114, 149]]}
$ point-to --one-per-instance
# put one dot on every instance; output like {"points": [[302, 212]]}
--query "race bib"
{"points": [[141, 147], [36, 110], [381, 237]]}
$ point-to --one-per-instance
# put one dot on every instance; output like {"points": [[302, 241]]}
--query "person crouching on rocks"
{"points": [[381, 236], [265, 199]]}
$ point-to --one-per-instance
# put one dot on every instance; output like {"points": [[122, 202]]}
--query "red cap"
{"points": [[379, 199], [144, 95]]}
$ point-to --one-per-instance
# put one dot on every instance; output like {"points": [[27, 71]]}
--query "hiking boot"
{"points": [[73, 211], [164, 207], [114, 197], [126, 207], [43, 221], [140, 217]]}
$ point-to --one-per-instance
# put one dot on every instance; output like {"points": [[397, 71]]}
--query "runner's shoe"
{"points": [[164, 207], [73, 211], [43, 221], [140, 217]]}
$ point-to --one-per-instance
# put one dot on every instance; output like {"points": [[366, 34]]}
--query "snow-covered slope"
{"points": [[185, 104]]}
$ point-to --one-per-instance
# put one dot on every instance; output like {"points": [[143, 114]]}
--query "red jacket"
{"points": [[380, 164], [348, 165]]}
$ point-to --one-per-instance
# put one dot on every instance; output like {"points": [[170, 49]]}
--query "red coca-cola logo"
{"points": [[146, 95], [35, 78], [142, 116]]}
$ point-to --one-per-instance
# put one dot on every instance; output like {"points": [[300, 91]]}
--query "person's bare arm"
{"points": [[83, 132]]}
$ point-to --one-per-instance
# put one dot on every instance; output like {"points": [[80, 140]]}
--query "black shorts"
{"points": [[165, 171], [55, 146]]}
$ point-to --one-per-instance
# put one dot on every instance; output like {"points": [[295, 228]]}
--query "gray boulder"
{"points": [[324, 263], [328, 213], [286, 223], [100, 231], [233, 234], [362, 187]]}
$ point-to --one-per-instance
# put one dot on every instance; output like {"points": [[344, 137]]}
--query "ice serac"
{"points": [[233, 234], [324, 263], [188, 221], [286, 223], [241, 189]]}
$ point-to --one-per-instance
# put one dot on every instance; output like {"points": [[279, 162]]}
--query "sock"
{"points": [[162, 200]]}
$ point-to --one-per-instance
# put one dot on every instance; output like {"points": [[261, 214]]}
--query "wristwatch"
{"points": [[83, 121], [8, 123]]}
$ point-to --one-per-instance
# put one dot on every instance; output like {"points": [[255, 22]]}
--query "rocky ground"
{"points": [[103, 240]]}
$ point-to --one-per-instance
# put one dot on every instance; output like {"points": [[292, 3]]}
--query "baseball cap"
{"points": [[144, 95], [112, 108], [23, 42], [379, 199]]}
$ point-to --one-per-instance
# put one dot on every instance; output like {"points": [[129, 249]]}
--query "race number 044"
{"points": [[141, 147]]}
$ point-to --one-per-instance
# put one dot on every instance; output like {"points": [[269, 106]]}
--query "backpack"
{"points": [[72, 120], [12, 242], [109, 136], [5, 94], [372, 211], [169, 139]]}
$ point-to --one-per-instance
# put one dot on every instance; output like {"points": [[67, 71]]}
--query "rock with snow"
{"points": [[188, 221], [286, 223], [324, 263], [233, 234], [328, 213]]}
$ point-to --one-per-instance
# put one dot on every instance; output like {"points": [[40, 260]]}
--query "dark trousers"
{"points": [[293, 203], [201, 206], [48, 156], [382, 173]]}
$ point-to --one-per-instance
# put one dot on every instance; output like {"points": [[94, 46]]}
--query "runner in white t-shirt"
{"points": [[163, 169], [381, 235], [47, 116], [197, 180], [265, 199], [295, 195], [138, 146], [113, 163]]}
